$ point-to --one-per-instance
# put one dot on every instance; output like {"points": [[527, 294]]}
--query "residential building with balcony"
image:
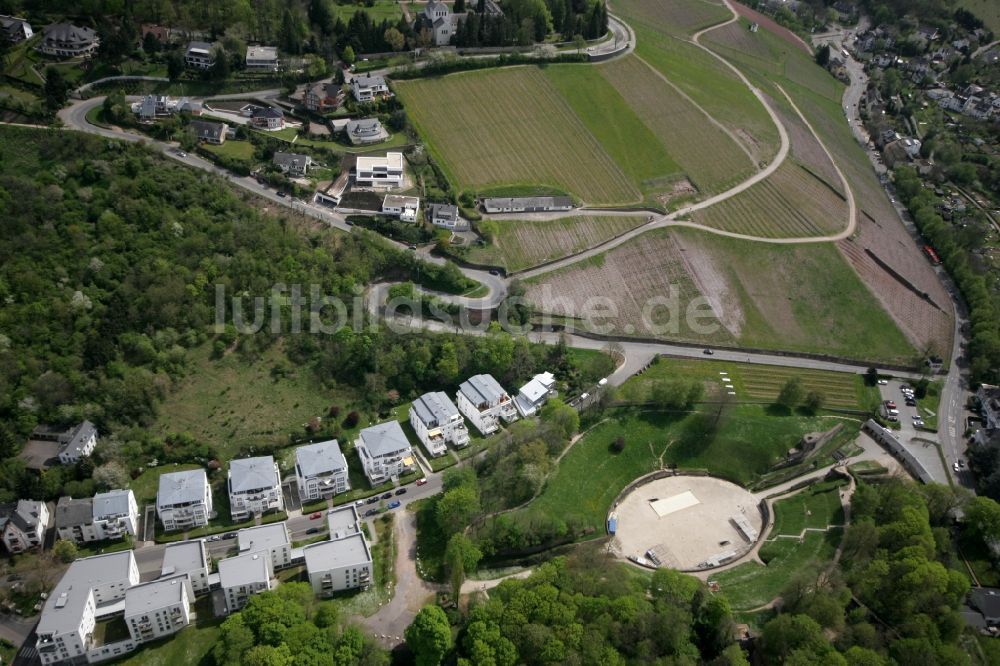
{"points": [[368, 87], [321, 471], [243, 576], [535, 393], [262, 58], [254, 487], [190, 558], [437, 422], [184, 500], [158, 608], [345, 561], [484, 402], [199, 55], [116, 514], [379, 172], [385, 452], [65, 40], [75, 520], [23, 525], [271, 539], [77, 443]]}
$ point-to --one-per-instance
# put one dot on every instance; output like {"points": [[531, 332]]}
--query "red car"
{"points": [[315, 515], [421, 482]]}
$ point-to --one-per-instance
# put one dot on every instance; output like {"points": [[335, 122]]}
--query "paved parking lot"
{"points": [[921, 443]]}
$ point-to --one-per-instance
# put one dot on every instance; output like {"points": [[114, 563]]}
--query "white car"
{"points": [[883, 382]]}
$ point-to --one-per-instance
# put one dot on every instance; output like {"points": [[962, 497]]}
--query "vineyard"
{"points": [[677, 16], [790, 203], [512, 127], [521, 244], [711, 159]]}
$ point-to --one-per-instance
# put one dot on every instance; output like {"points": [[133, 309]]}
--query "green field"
{"points": [[748, 442], [816, 507], [238, 150], [682, 17], [520, 244], [512, 127], [634, 147], [146, 485], [709, 157], [381, 10], [755, 382], [752, 585], [791, 203], [192, 645], [231, 403], [987, 10]]}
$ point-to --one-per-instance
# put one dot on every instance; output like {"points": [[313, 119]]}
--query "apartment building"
{"points": [[321, 471], [484, 402], [184, 500], [437, 422], [254, 487]]}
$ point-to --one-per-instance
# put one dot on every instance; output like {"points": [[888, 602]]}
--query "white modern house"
{"points": [[535, 393], [158, 608], [23, 525], [189, 558], [116, 514], [368, 87], [262, 58], [242, 576], [321, 471], [77, 443], [184, 500], [385, 452], [527, 204], [484, 402], [403, 207], [254, 487], [345, 561], [447, 216], [199, 55], [379, 172], [91, 589], [271, 539], [436, 421]]}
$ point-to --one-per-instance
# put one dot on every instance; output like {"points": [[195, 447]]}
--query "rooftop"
{"points": [[149, 597], [342, 521], [182, 487], [262, 53], [390, 161], [113, 503], [66, 602], [247, 474], [245, 569], [183, 557], [67, 32], [368, 80], [345, 552], [263, 537], [400, 201], [481, 389], [78, 437], [384, 438], [434, 408], [319, 458], [72, 512], [199, 46]]}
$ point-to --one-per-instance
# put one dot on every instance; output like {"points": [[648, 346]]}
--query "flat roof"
{"points": [[262, 52], [184, 556], [400, 201], [64, 607], [149, 597], [263, 537], [342, 520], [247, 569], [389, 160], [351, 550]]}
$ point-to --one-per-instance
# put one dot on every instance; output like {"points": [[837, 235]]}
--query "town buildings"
{"points": [[321, 471], [254, 487], [184, 500], [385, 452], [437, 422], [344, 561], [484, 402]]}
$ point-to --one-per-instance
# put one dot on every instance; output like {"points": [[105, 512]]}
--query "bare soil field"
{"points": [[512, 127], [521, 244], [790, 203], [683, 17], [710, 158]]}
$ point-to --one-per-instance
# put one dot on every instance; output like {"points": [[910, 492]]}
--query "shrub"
{"points": [[618, 445], [353, 418]]}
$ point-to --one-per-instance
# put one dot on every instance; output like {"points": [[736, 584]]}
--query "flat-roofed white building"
{"points": [[92, 588], [403, 207], [187, 557], [535, 393], [158, 608], [385, 452], [272, 539], [484, 402], [199, 55], [436, 421], [321, 471], [262, 58], [243, 576], [184, 500], [254, 487], [116, 514], [345, 561], [379, 172]]}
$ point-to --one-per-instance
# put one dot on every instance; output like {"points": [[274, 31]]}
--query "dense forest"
{"points": [[109, 266]]}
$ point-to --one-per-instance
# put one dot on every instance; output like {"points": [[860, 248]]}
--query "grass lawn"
{"points": [[753, 382], [748, 441], [751, 585], [930, 404], [382, 10], [511, 126], [231, 403], [987, 10], [146, 485], [520, 244], [192, 645], [815, 507], [633, 146], [867, 467], [239, 150]]}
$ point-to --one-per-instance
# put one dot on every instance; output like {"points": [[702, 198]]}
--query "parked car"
{"points": [[883, 382], [360, 502], [708, 352], [401, 491], [387, 496], [421, 482], [494, 271], [372, 499], [316, 515], [955, 467], [312, 530], [215, 537], [282, 194], [393, 505], [371, 512], [229, 535]]}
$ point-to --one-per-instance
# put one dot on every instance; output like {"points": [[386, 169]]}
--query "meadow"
{"points": [[681, 17], [521, 244], [655, 439], [815, 508], [512, 127]]}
